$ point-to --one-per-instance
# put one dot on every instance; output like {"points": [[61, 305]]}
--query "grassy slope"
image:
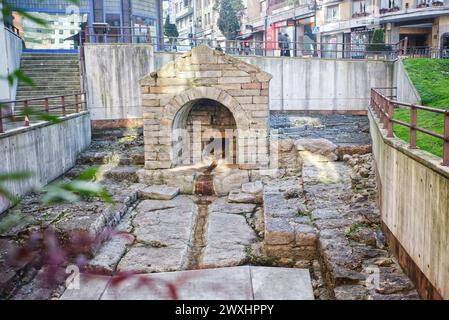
{"points": [[431, 79]]}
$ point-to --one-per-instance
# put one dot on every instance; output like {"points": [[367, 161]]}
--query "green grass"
{"points": [[431, 79]]}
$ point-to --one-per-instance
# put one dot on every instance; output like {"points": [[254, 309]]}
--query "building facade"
{"points": [[65, 20], [351, 23]]}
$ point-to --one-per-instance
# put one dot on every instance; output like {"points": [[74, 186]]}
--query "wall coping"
{"points": [[294, 58], [41, 125], [423, 157]]}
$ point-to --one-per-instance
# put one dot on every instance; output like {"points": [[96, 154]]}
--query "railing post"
{"points": [[63, 106], [413, 124], [446, 140], [46, 105], [385, 112], [1, 120], [76, 103], [25, 109], [85, 101], [390, 119]]}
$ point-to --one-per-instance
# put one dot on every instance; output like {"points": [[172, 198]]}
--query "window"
{"points": [[360, 8], [61, 31], [332, 13], [61, 41]]}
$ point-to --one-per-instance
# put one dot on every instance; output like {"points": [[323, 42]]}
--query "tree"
{"points": [[228, 22], [378, 42], [170, 31]]}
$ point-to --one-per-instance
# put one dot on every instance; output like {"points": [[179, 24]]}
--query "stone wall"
{"points": [[46, 150], [169, 94], [413, 189]]}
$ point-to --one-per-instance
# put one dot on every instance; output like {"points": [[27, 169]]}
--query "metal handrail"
{"points": [[384, 108], [80, 105]]}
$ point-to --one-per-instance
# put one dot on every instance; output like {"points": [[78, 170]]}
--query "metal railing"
{"points": [[385, 107], [20, 113], [247, 47]]}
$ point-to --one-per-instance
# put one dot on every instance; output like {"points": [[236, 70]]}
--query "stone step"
{"points": [[122, 173], [62, 86], [57, 57], [233, 283], [26, 62]]}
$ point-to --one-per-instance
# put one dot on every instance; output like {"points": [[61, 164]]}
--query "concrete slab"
{"points": [[206, 284], [233, 283], [281, 284], [91, 287]]}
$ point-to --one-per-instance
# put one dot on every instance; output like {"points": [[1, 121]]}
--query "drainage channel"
{"points": [[204, 189]]}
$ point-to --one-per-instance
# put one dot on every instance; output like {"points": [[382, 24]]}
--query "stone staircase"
{"points": [[53, 74]]}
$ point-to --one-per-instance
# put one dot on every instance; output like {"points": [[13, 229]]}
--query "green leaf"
{"points": [[88, 174], [57, 194]]}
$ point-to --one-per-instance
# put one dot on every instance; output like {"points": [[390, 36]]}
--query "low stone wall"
{"points": [[47, 150], [406, 91], [413, 196]]}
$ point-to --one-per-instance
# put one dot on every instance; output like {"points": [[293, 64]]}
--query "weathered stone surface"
{"points": [[278, 231], [255, 187], [351, 292], [227, 180], [242, 197], [228, 235], [317, 146], [159, 192], [221, 205], [393, 281], [148, 259], [110, 253], [170, 227]]}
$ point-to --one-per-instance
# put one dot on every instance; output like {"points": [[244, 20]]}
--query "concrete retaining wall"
{"points": [[298, 84], [47, 150], [406, 91], [414, 202], [113, 74]]}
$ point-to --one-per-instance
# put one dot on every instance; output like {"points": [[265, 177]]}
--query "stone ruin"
{"points": [[205, 108]]}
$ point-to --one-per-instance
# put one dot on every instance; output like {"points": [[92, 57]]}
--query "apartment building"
{"points": [[425, 23], [64, 20]]}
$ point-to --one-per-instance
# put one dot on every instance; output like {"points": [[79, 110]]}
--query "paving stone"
{"points": [[110, 253], [143, 259], [159, 192], [238, 196], [226, 240], [223, 206], [271, 283], [253, 187], [91, 288], [351, 292]]}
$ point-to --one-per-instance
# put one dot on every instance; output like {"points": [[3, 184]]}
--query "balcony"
{"points": [[389, 10], [360, 14]]}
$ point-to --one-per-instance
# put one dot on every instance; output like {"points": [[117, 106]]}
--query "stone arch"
{"points": [[178, 109], [182, 100]]}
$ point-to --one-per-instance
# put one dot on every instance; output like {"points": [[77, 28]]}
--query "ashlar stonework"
{"points": [[170, 94]]}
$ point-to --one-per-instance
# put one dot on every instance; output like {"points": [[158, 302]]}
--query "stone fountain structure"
{"points": [[205, 107]]}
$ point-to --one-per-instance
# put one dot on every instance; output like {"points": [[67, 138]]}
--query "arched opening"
{"points": [[203, 130]]}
